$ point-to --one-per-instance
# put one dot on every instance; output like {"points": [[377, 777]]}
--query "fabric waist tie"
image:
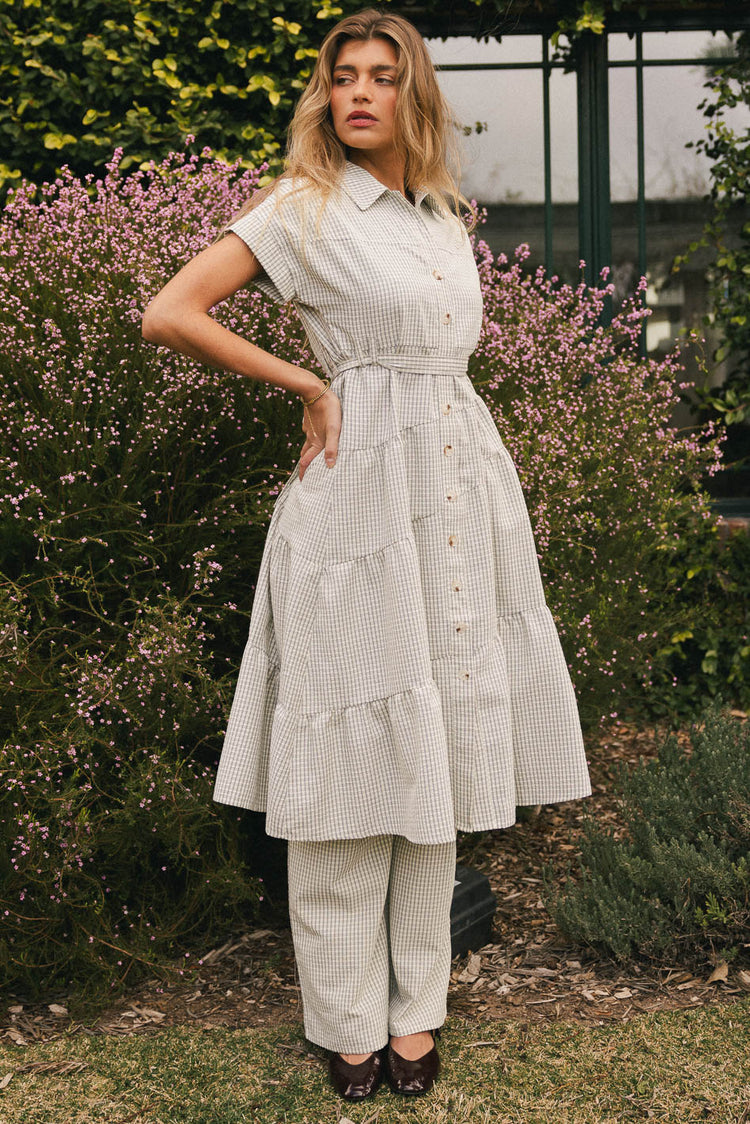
{"points": [[417, 364]]}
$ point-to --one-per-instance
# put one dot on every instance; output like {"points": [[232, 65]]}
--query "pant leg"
{"points": [[422, 879], [337, 898]]}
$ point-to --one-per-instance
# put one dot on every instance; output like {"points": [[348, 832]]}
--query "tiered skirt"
{"points": [[403, 673]]}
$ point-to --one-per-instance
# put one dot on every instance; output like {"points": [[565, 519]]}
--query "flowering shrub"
{"points": [[614, 491], [136, 486]]}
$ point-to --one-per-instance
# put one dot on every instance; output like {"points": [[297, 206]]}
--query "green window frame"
{"points": [[592, 67]]}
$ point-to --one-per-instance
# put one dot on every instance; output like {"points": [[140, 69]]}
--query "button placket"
{"points": [[459, 627], [446, 316], [450, 493]]}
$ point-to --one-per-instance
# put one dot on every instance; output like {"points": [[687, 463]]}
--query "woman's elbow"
{"points": [[154, 324]]}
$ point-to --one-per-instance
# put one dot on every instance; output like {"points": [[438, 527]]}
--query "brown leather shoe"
{"points": [[355, 1082], [412, 1079]]}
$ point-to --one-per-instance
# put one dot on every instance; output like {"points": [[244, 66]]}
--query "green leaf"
{"points": [[58, 140], [678, 637]]}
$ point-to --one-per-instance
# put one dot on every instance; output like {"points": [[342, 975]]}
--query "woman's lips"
{"points": [[359, 120]]}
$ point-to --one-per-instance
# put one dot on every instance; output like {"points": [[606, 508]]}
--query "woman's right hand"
{"points": [[321, 424]]}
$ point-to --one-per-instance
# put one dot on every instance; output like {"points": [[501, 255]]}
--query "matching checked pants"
{"points": [[371, 929]]}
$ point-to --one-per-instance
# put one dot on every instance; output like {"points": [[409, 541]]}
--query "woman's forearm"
{"points": [[197, 334]]}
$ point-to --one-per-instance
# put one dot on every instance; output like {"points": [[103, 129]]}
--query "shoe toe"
{"points": [[356, 1082], [412, 1078]]}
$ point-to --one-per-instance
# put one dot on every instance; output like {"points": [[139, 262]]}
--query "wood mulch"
{"points": [[529, 973]]}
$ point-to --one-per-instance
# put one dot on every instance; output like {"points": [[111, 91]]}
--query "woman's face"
{"points": [[363, 95]]}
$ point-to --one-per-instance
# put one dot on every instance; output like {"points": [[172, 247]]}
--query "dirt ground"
{"points": [[527, 973]]}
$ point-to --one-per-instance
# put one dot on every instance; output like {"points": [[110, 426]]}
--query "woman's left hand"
{"points": [[321, 424]]}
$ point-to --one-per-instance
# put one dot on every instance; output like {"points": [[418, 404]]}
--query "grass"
{"points": [[673, 1067]]}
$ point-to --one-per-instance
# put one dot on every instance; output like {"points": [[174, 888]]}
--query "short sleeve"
{"points": [[268, 230]]}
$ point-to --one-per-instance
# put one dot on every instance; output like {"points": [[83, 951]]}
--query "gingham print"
{"points": [[403, 674], [371, 928]]}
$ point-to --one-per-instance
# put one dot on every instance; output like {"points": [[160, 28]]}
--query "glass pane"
{"points": [[678, 44], [672, 95], [676, 181], [504, 161], [621, 46], [564, 129], [504, 164], [677, 178], [463, 49], [623, 172], [623, 135]]}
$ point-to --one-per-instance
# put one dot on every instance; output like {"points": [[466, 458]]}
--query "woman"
{"points": [[403, 676]]}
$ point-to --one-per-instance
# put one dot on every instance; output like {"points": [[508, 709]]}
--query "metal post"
{"points": [[594, 209], [641, 172], [548, 224]]}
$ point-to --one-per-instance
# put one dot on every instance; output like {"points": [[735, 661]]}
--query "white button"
{"points": [[456, 587], [446, 407], [446, 317], [450, 495], [452, 540], [461, 627], [437, 275], [448, 450], [464, 674]]}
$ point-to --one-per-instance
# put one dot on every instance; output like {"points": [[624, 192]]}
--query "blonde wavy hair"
{"points": [[425, 130]]}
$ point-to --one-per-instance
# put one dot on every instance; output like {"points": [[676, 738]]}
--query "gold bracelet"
{"points": [[309, 402]]}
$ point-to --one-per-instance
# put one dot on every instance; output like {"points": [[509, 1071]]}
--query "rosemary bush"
{"points": [[674, 879]]}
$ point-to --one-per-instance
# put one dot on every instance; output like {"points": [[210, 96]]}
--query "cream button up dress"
{"points": [[403, 674]]}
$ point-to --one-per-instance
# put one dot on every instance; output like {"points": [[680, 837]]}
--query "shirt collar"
{"points": [[363, 188]]}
